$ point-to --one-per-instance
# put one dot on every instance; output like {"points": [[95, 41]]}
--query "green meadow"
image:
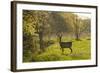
{"points": [[81, 51]]}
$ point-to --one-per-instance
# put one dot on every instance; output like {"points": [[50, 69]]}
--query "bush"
{"points": [[50, 57], [27, 56]]}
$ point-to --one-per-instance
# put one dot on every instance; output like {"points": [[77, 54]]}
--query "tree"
{"points": [[81, 26], [38, 22], [77, 28]]}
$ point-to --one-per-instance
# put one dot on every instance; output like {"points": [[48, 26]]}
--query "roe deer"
{"points": [[64, 44]]}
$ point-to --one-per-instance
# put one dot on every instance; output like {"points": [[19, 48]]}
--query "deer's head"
{"points": [[59, 36]]}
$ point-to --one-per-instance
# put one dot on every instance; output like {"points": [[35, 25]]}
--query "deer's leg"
{"points": [[62, 50], [71, 50]]}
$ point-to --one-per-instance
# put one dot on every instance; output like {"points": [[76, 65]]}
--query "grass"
{"points": [[81, 51]]}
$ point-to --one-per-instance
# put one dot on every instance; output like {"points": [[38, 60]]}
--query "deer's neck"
{"points": [[60, 40]]}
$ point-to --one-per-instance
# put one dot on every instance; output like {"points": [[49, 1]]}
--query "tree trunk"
{"points": [[77, 35], [41, 40]]}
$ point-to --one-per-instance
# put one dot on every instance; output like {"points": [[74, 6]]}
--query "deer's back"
{"points": [[65, 44]]}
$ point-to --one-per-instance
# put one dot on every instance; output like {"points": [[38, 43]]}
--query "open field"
{"points": [[81, 51]]}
